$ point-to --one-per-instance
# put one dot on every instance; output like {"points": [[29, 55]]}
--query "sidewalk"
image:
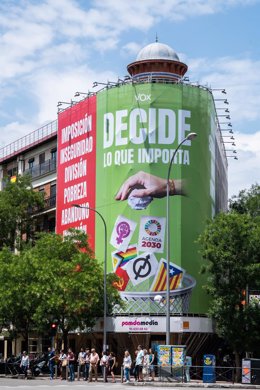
{"points": [[195, 384], [157, 383]]}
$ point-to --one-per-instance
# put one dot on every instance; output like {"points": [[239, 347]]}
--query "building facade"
{"points": [[111, 152], [114, 150]]}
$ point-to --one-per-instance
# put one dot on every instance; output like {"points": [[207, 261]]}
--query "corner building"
{"points": [[114, 150]]}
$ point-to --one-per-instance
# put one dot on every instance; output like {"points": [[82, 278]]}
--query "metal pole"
{"points": [[105, 274], [168, 304]]}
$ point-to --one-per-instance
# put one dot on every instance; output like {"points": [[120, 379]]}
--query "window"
{"points": [[41, 158], [12, 172], [53, 195], [53, 190], [30, 163], [41, 189], [53, 154]]}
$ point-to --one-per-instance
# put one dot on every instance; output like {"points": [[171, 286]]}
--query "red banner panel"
{"points": [[76, 178]]}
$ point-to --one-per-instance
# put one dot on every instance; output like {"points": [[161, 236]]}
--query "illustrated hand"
{"points": [[142, 184]]}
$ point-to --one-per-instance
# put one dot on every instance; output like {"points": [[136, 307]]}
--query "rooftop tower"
{"points": [[158, 62]]}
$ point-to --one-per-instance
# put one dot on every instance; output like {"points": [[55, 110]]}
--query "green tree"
{"points": [[17, 301], [56, 280], [16, 200], [247, 201], [230, 245]]}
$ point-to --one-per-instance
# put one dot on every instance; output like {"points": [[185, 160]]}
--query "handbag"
{"points": [[64, 362]]}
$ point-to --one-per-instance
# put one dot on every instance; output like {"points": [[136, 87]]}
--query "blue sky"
{"points": [[51, 48]]}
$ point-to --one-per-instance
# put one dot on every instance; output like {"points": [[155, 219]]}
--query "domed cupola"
{"points": [[157, 62]]}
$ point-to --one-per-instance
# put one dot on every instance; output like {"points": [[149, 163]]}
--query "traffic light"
{"points": [[243, 301], [54, 328]]}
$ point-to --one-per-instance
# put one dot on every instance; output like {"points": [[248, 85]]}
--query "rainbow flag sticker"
{"points": [[120, 259]]}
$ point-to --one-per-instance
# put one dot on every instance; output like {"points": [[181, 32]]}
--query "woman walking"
{"points": [[127, 363], [63, 365], [71, 361], [151, 363], [25, 364], [112, 365]]}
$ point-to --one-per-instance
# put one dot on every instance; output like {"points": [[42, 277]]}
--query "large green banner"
{"points": [[138, 129]]}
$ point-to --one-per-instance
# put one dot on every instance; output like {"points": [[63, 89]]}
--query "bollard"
{"points": [[78, 373]]}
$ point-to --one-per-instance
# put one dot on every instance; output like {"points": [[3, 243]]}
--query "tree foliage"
{"points": [[230, 245], [56, 280], [247, 201], [16, 200]]}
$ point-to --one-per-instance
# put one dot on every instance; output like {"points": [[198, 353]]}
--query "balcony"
{"points": [[41, 169], [49, 203]]}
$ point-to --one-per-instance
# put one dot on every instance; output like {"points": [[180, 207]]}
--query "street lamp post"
{"points": [[105, 273], [190, 136]]}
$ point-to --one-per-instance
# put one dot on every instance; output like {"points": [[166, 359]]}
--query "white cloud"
{"points": [[240, 78], [46, 47], [245, 171], [131, 49], [53, 86], [29, 28], [15, 130]]}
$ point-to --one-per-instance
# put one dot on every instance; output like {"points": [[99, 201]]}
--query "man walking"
{"points": [[139, 363], [94, 359], [51, 362]]}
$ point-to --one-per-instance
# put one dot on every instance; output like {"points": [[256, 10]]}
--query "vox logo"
{"points": [[142, 97]]}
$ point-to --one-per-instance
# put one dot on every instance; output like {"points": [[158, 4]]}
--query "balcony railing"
{"points": [[30, 140], [41, 169]]}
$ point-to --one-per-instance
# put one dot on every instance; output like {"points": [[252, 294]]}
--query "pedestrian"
{"points": [[139, 363], [51, 362], [71, 361], [63, 364], [152, 364], [127, 363], [145, 370], [82, 362], [112, 365], [25, 364], [135, 368], [87, 364], [104, 365], [93, 359]]}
